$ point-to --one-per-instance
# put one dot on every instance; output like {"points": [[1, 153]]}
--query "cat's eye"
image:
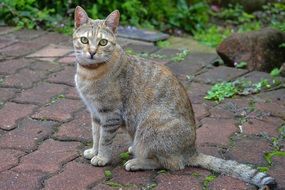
{"points": [[84, 40], [103, 42]]}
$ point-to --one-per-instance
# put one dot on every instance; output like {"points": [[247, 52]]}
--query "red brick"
{"points": [[211, 150], [50, 52], [249, 150], [75, 176], [72, 93], [51, 38], [215, 131], [200, 111], [6, 29], [26, 34], [4, 42], [23, 79], [141, 48], [11, 112], [6, 94], [220, 112], [228, 183], [11, 66], [9, 158], [274, 108], [65, 76], [177, 182], [45, 66], [27, 135], [197, 92], [41, 94], [139, 178], [258, 127], [49, 157], [68, 59], [60, 111], [103, 187], [26, 181], [277, 96], [198, 173], [219, 74], [78, 129], [20, 48], [277, 171]]}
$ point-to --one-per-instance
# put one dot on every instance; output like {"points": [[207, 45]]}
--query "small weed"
{"points": [[241, 65], [275, 72], [114, 184], [263, 169], [108, 174], [207, 181], [220, 91], [151, 186], [163, 44], [195, 174], [124, 155], [268, 156], [56, 98], [162, 171], [129, 51], [282, 45], [1, 81], [181, 55]]}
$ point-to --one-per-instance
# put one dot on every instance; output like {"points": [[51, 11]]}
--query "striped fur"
{"points": [[144, 98]]}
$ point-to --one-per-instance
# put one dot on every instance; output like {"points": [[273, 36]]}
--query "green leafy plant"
{"points": [[282, 45], [242, 64], [163, 44], [275, 72], [124, 155], [180, 56], [108, 174], [263, 169], [220, 91], [208, 180]]}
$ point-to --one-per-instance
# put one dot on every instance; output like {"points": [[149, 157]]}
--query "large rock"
{"points": [[259, 49]]}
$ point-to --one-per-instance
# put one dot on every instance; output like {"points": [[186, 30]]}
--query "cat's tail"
{"points": [[234, 169]]}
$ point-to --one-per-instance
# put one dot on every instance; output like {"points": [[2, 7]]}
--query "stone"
{"points": [[40, 94], [215, 131], [6, 94], [11, 66], [50, 52], [72, 93], [228, 183], [75, 176], [47, 67], [259, 49], [197, 92], [79, 129], [141, 48], [27, 135], [178, 182], [4, 43], [60, 110], [200, 112], [65, 76], [20, 48], [49, 157], [12, 112], [219, 74], [24, 180], [249, 150], [9, 158], [277, 171], [25, 78], [69, 59]]}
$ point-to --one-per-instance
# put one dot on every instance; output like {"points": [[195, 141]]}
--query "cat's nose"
{"points": [[92, 54]]}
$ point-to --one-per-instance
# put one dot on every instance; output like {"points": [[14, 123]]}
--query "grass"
{"points": [[207, 181]]}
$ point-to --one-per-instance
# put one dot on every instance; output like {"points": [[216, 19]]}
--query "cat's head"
{"points": [[94, 41]]}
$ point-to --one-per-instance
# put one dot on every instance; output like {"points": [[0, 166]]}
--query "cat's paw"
{"points": [[130, 150], [89, 153], [99, 161], [133, 165]]}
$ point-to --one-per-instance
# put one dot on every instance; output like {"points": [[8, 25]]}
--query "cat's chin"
{"points": [[91, 66]]}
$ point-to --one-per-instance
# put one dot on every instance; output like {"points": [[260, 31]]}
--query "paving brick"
{"points": [[75, 176], [72, 93], [78, 129], [49, 157], [5, 42], [6, 94], [25, 34], [167, 181], [15, 181], [211, 150], [197, 92], [220, 74], [11, 66], [20, 49], [50, 52], [228, 183], [11, 112], [102, 186], [200, 111], [9, 158], [274, 108], [65, 76], [249, 150], [257, 127], [277, 171], [45, 66], [59, 111], [215, 131], [6, 29], [141, 48], [27, 134], [68, 59], [41, 94], [140, 178], [198, 173], [51, 38], [277, 96], [23, 79], [257, 76]]}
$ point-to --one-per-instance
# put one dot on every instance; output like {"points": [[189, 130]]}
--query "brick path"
{"points": [[44, 126]]}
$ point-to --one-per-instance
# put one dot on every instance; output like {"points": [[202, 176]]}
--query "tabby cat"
{"points": [[146, 99]]}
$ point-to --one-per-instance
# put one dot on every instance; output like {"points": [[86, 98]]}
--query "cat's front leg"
{"points": [[108, 132], [91, 152]]}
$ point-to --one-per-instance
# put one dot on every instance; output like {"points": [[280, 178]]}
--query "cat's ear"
{"points": [[112, 21], [80, 17]]}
